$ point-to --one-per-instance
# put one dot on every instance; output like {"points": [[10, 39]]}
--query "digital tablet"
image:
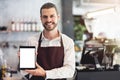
{"points": [[27, 57]]}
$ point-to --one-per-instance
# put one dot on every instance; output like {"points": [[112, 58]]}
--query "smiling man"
{"points": [[55, 50]]}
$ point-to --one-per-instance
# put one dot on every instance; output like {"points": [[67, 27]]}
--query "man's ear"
{"points": [[40, 17], [58, 16]]}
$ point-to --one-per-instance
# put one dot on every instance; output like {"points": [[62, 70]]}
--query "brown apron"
{"points": [[49, 58]]}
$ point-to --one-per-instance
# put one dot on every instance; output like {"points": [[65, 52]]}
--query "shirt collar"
{"points": [[43, 37]]}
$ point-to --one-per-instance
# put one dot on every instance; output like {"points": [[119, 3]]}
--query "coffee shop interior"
{"points": [[92, 24]]}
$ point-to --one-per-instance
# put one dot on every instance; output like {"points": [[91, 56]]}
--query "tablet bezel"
{"points": [[27, 47]]}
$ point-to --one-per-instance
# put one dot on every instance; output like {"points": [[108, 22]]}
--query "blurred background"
{"points": [[92, 24]]}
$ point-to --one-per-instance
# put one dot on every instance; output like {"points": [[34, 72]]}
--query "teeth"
{"points": [[49, 23]]}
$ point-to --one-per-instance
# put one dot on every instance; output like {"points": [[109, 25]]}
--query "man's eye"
{"points": [[44, 16], [51, 16]]}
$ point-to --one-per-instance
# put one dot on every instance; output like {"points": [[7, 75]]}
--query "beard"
{"points": [[50, 27]]}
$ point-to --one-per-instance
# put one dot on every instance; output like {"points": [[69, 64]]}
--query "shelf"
{"points": [[15, 36]]}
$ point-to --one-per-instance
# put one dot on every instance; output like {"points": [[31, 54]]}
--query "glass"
{"points": [[108, 55], [17, 76], [8, 73]]}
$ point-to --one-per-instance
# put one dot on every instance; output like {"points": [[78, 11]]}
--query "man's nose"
{"points": [[49, 19]]}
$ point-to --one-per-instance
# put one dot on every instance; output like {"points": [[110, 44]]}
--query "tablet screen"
{"points": [[27, 57]]}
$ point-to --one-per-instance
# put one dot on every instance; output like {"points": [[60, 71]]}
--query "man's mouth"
{"points": [[49, 23]]}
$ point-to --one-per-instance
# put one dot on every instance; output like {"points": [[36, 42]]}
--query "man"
{"points": [[55, 51]]}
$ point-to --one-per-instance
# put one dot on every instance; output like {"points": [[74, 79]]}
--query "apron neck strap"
{"points": [[41, 40]]}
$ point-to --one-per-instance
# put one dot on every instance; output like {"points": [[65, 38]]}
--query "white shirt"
{"points": [[1, 52], [68, 69]]}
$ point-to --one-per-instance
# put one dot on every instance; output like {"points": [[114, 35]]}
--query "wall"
{"points": [[18, 10], [108, 23], [67, 18], [22, 9]]}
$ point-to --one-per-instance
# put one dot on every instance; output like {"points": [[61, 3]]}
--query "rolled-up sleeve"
{"points": [[68, 69]]}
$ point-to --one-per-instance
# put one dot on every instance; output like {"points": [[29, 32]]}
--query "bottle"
{"points": [[37, 26], [33, 26], [25, 25], [1, 67], [29, 26], [21, 25], [17, 25], [0, 74], [4, 68], [13, 25]]}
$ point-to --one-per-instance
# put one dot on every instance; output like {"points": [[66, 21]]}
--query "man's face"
{"points": [[49, 18]]}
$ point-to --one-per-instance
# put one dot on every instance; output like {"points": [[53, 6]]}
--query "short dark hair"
{"points": [[47, 6]]}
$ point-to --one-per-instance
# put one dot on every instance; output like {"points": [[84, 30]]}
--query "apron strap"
{"points": [[39, 41]]}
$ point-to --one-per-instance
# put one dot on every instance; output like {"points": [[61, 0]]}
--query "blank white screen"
{"points": [[27, 57]]}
